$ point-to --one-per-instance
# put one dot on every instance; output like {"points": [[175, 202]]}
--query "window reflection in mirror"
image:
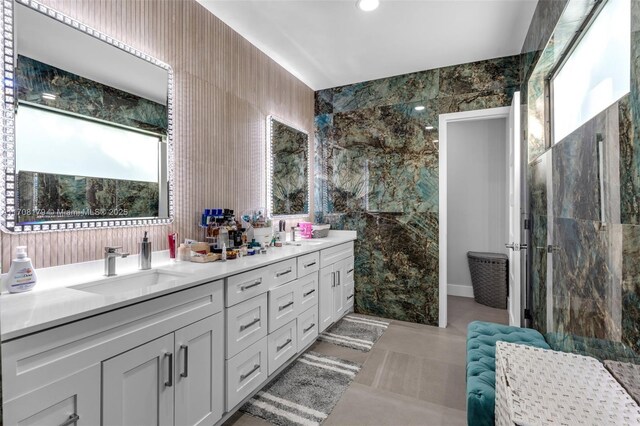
{"points": [[289, 169], [118, 175]]}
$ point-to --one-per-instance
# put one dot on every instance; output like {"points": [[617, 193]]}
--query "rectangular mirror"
{"points": [[89, 124], [288, 169]]}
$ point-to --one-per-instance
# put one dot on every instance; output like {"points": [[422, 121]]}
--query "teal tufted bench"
{"points": [[481, 365]]}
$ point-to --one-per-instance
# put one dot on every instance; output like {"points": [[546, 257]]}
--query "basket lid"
{"points": [[486, 255]]}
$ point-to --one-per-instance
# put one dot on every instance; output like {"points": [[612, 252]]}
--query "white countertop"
{"points": [[52, 302]]}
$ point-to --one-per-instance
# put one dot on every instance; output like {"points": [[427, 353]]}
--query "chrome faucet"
{"points": [[110, 255]]}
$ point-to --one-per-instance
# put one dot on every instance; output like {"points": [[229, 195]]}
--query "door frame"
{"points": [[444, 120]]}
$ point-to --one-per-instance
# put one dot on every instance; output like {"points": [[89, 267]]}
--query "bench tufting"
{"points": [[481, 365]]}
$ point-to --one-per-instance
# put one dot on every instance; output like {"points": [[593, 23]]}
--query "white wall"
{"points": [[476, 195]]}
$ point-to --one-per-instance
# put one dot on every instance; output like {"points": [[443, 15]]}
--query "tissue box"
{"points": [[321, 231]]}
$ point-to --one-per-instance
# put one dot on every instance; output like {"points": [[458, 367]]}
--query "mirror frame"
{"points": [[8, 180], [269, 170]]}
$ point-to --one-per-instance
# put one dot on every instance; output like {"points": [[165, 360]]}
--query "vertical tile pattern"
{"points": [[584, 193], [224, 90], [378, 175]]}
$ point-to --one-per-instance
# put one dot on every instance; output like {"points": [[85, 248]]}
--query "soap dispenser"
{"points": [[144, 258], [21, 276]]}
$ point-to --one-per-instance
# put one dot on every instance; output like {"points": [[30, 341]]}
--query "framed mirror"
{"points": [[287, 169], [87, 127]]}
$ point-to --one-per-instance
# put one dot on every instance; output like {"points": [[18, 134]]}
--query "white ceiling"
{"points": [[331, 43]]}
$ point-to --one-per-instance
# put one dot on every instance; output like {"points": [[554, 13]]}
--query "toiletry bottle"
{"points": [[184, 253], [144, 258], [21, 276], [223, 255], [172, 240]]}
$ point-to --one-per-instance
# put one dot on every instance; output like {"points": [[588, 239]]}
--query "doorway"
{"points": [[479, 197]]}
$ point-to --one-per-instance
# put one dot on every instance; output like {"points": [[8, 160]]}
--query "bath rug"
{"points": [[355, 332], [305, 392]]}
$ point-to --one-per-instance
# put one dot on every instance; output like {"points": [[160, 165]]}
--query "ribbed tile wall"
{"points": [[225, 89]]}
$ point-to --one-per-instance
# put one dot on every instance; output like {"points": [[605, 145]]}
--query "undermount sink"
{"points": [[140, 282]]}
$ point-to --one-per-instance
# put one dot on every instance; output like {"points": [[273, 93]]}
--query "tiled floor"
{"points": [[414, 375]]}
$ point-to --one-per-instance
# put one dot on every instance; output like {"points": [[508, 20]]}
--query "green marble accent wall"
{"points": [[585, 238], [377, 173], [86, 97]]}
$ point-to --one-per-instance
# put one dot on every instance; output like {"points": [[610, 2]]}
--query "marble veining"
{"points": [[290, 170], [584, 207], [378, 159], [86, 97], [565, 18]]}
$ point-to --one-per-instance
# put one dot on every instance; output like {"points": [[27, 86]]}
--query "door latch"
{"points": [[516, 246]]}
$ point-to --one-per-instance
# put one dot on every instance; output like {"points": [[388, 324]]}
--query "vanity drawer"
{"points": [[246, 285], [246, 324], [282, 272], [332, 255], [283, 344], [246, 372], [307, 327], [308, 264], [349, 296], [282, 305], [307, 288]]}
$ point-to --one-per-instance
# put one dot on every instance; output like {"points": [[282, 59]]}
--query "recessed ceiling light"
{"points": [[429, 127], [368, 5], [419, 108]]}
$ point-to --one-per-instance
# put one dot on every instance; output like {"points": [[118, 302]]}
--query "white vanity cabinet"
{"points": [[179, 375], [190, 357], [74, 400], [138, 385], [336, 283], [121, 360]]}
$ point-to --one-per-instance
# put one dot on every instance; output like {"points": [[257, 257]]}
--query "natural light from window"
{"points": [[58, 143], [597, 73]]}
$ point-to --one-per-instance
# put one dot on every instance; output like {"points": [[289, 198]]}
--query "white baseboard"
{"points": [[459, 290]]}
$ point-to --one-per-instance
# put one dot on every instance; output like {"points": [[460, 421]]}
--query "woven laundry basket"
{"points": [[489, 277]]}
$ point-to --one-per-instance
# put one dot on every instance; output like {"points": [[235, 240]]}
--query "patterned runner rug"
{"points": [[305, 392], [355, 332]]}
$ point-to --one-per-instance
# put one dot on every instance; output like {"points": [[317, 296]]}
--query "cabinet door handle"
{"points": [[310, 264], [279, 274], [185, 372], [333, 279], [245, 326], [350, 297], [309, 328], [169, 382], [338, 278], [255, 283], [283, 307], [279, 348], [309, 292], [350, 271], [253, 370], [73, 418]]}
